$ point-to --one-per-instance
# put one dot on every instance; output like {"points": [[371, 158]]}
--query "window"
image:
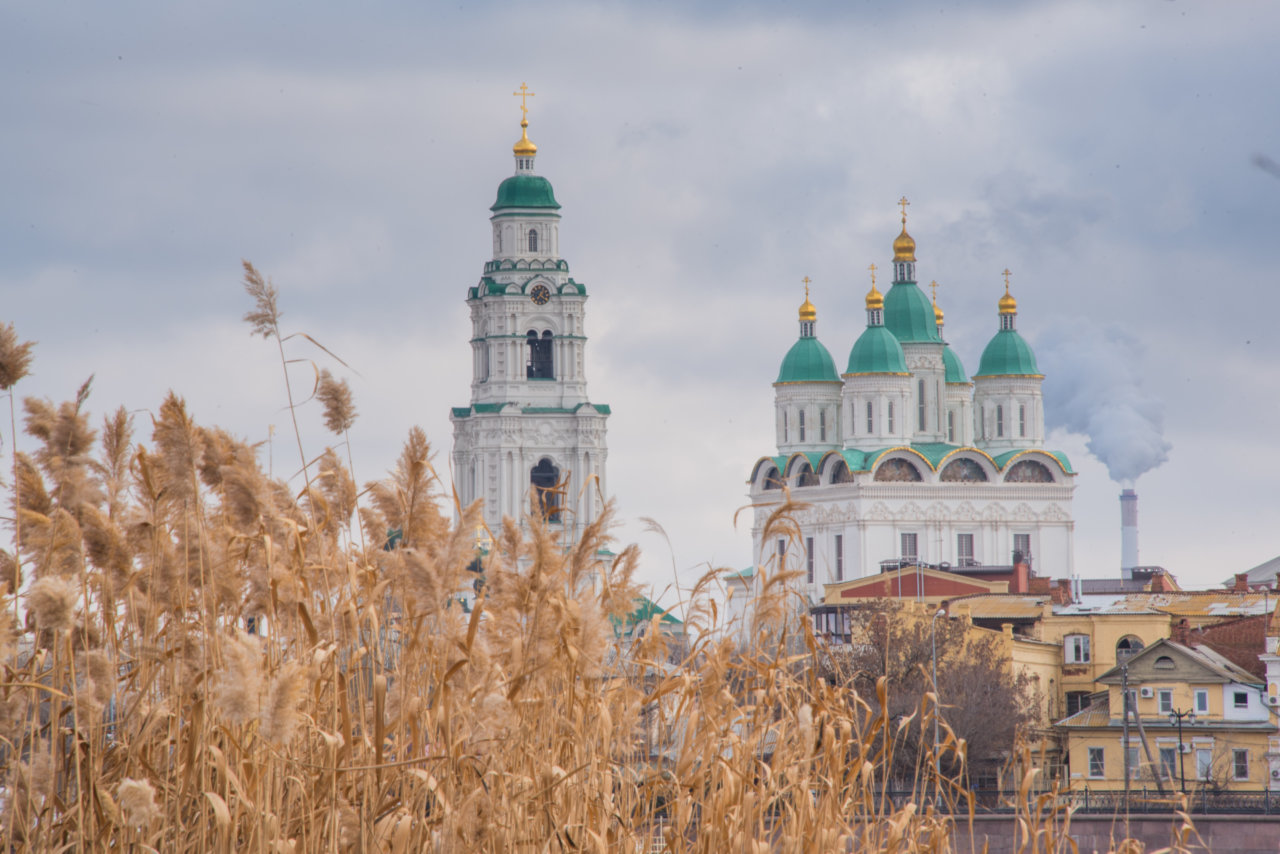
{"points": [[801, 425], [891, 416], [871, 425], [909, 551], [1166, 701], [533, 240], [964, 550], [545, 480], [1076, 649], [1204, 763], [786, 427], [1164, 662], [1135, 763], [1097, 767], [1127, 647], [808, 558], [1021, 548], [822, 425], [920, 405], [540, 365], [1240, 699], [1077, 700], [1022, 421], [839, 557], [1168, 762], [999, 421], [1202, 701], [951, 427], [1240, 763]]}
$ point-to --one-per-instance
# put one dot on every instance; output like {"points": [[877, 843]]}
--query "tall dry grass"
{"points": [[368, 710]]}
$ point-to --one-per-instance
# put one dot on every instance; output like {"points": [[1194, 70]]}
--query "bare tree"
{"points": [[982, 699]]}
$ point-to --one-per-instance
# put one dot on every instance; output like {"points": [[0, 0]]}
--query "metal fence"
{"points": [[1106, 802]]}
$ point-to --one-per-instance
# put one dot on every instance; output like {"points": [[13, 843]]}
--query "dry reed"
{"points": [[206, 669]]}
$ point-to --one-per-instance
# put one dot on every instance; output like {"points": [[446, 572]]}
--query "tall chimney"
{"points": [[1128, 532]]}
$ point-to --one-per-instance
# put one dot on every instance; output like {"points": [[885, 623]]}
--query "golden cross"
{"points": [[1006, 280], [872, 268], [933, 286], [903, 202], [524, 94], [806, 288]]}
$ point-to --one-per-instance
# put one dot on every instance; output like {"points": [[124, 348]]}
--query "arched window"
{"points": [[801, 425], [840, 472], [540, 365], [891, 416], [897, 471], [871, 424], [1029, 471], [1022, 421], [548, 494], [920, 405], [533, 240], [999, 422], [772, 480], [805, 476], [963, 470], [951, 426], [822, 425], [1127, 647]]}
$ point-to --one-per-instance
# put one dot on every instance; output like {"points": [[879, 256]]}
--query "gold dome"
{"points": [[808, 313], [1008, 305], [875, 299], [937, 312], [904, 247], [525, 147]]}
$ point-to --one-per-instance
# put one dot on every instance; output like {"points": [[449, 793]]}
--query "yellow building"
{"points": [[1197, 722]]}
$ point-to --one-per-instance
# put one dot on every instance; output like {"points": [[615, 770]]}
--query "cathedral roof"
{"points": [[955, 370], [808, 362], [876, 351], [1007, 355], [908, 314], [525, 191]]}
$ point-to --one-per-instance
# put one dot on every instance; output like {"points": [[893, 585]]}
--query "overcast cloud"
{"points": [[706, 161]]}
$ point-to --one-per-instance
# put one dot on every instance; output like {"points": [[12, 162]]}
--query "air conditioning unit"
{"points": [[1275, 774], [1147, 693], [1273, 700]]}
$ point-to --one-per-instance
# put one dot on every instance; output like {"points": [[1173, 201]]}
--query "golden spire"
{"points": [[874, 298], [904, 248], [1008, 305], [525, 147], [808, 313], [937, 312]]}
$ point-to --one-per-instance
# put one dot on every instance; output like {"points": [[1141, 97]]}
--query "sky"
{"points": [[1120, 159]]}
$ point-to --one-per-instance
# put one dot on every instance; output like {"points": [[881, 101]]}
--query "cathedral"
{"points": [[902, 458], [530, 441]]}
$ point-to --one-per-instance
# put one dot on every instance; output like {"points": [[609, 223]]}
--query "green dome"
{"points": [[955, 370], [877, 352], [808, 362], [525, 191], [908, 314], [1007, 355]]}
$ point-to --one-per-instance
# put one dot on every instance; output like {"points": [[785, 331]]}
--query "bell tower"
{"points": [[530, 441]]}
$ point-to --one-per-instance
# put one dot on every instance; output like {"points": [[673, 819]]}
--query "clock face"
{"points": [[540, 294]]}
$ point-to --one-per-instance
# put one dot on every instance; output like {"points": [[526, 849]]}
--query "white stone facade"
{"points": [[529, 408]]}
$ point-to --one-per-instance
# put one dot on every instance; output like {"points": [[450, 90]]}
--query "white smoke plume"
{"points": [[1093, 386]]}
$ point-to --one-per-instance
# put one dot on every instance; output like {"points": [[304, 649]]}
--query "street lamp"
{"points": [[1175, 719]]}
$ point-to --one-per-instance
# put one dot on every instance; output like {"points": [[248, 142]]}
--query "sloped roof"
{"points": [[1097, 714], [1201, 656]]}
